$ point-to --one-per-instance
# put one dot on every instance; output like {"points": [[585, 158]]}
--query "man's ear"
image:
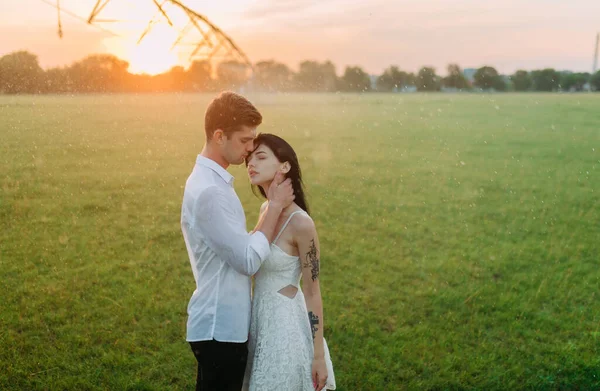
{"points": [[218, 136], [285, 168]]}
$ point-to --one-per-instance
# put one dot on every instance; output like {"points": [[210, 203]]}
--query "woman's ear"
{"points": [[285, 167]]}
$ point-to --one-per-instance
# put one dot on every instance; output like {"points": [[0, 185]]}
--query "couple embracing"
{"points": [[267, 335]]}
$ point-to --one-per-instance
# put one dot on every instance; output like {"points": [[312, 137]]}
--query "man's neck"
{"points": [[210, 153]]}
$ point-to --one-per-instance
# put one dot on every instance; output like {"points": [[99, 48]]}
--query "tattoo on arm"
{"points": [[312, 261], [314, 322]]}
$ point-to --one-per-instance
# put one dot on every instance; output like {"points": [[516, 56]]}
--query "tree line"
{"points": [[20, 72]]}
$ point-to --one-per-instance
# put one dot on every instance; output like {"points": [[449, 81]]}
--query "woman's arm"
{"points": [[263, 207], [308, 247]]}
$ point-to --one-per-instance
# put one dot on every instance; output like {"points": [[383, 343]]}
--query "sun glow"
{"points": [[154, 54]]}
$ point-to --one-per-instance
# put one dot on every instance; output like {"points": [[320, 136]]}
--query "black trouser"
{"points": [[221, 365]]}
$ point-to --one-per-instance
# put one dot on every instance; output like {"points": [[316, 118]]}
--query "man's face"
{"points": [[239, 145]]}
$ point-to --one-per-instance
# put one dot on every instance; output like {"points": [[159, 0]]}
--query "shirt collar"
{"points": [[216, 167]]}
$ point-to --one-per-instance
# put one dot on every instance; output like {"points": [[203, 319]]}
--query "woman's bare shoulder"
{"points": [[302, 223]]}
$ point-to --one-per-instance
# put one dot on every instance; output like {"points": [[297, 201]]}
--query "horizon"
{"points": [[550, 34]]}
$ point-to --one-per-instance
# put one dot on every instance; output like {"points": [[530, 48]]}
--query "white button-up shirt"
{"points": [[222, 253]]}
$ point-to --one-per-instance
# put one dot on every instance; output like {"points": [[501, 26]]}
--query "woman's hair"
{"points": [[284, 153]]}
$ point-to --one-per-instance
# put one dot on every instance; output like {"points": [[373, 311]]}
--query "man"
{"points": [[222, 253]]}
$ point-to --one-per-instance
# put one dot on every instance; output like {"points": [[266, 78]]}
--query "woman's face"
{"points": [[263, 165]]}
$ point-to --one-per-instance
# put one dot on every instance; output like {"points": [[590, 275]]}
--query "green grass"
{"points": [[460, 238]]}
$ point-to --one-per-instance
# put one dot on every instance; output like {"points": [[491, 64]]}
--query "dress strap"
{"points": [[285, 224]]}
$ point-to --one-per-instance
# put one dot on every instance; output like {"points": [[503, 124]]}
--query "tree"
{"points": [[545, 80], [455, 78], [272, 76], [573, 81], [595, 81], [174, 80], [488, 77], [521, 80], [99, 73], [427, 80], [313, 76], [394, 79], [57, 80], [145, 83], [501, 83], [355, 79], [232, 74], [199, 75], [20, 73]]}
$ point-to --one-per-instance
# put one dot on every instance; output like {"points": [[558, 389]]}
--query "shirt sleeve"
{"points": [[216, 222]]}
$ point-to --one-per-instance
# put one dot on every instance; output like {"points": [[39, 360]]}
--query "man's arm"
{"points": [[218, 225]]}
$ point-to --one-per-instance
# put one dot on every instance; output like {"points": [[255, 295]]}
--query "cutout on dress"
{"points": [[289, 291]]}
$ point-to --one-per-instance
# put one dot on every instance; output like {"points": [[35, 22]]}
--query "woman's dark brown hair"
{"points": [[284, 153]]}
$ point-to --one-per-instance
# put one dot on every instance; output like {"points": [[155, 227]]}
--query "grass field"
{"points": [[460, 238]]}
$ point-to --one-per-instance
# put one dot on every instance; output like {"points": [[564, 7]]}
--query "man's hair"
{"points": [[229, 112]]}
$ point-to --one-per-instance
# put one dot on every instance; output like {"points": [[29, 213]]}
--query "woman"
{"points": [[286, 349]]}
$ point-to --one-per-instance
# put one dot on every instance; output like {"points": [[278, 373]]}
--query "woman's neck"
{"points": [[265, 188]]}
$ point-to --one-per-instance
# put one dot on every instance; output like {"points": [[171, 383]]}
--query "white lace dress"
{"points": [[280, 346]]}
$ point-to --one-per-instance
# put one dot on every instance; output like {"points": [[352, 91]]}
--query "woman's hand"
{"points": [[319, 373]]}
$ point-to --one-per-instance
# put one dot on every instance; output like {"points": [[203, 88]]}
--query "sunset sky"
{"points": [[508, 34]]}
